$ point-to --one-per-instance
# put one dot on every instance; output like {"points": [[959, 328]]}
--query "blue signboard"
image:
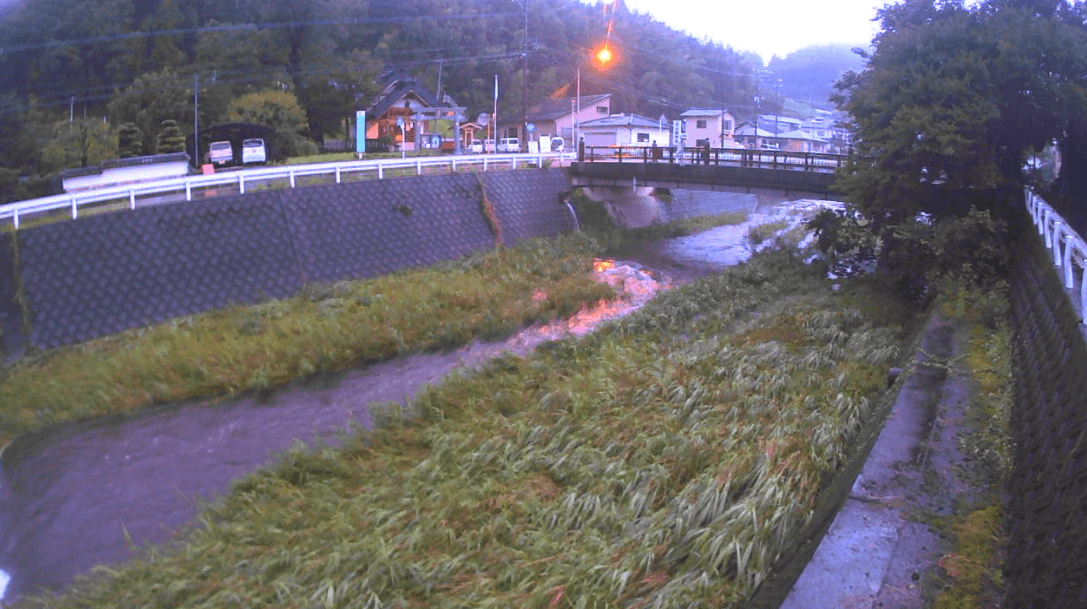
{"points": [[360, 131]]}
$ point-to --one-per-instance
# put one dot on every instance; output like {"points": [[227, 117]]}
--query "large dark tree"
{"points": [[953, 100]]}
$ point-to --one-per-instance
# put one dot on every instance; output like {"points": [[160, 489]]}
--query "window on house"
{"points": [[643, 138], [601, 109], [511, 132], [700, 123], [728, 125]]}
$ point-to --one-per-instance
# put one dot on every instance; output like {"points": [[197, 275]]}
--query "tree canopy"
{"points": [[953, 100]]}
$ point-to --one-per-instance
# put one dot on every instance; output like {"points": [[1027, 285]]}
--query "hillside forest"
{"points": [[78, 78]]}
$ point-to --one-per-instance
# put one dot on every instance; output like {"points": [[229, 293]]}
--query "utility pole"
{"points": [[196, 120], [438, 92], [524, 78]]}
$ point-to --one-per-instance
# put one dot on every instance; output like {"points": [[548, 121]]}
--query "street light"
{"points": [[604, 55]]}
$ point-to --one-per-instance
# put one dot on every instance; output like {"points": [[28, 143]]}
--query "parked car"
{"points": [[509, 144], [558, 144], [220, 153], [477, 146], [488, 146], [253, 151]]}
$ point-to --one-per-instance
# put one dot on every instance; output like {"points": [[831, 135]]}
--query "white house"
{"points": [[626, 130], [712, 126]]}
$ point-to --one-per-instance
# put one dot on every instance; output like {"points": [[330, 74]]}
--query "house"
{"points": [[403, 100], [626, 130], [799, 140], [559, 117], [714, 127], [753, 137]]}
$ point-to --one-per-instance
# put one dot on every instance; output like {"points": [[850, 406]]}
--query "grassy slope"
{"points": [[667, 457], [325, 328]]}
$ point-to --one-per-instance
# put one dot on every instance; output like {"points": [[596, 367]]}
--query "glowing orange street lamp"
{"points": [[604, 56]]}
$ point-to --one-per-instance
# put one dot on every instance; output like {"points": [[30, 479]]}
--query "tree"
{"points": [[951, 103], [151, 99], [129, 141], [279, 110], [170, 139], [79, 143]]}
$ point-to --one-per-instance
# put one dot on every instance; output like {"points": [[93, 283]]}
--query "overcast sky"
{"points": [[768, 27]]}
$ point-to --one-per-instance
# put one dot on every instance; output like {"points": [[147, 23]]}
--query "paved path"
{"points": [[877, 552]]}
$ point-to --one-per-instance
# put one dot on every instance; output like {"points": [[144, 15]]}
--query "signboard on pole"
{"points": [[360, 131]]}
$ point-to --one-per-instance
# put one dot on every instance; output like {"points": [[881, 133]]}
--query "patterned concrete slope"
{"points": [[11, 316], [373, 228], [100, 275], [528, 203], [695, 203]]}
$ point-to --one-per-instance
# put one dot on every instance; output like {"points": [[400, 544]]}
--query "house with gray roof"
{"points": [[558, 118], [626, 130], [405, 99]]}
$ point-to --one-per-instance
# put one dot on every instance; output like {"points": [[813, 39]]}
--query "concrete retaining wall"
{"points": [[1047, 551], [103, 274]]}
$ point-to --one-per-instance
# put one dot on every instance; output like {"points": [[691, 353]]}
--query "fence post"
{"points": [[16, 218], [1045, 230], [418, 167], [1082, 292], [380, 172], [1057, 243], [337, 174], [1069, 280], [292, 178], [132, 198], [188, 190], [241, 183]]}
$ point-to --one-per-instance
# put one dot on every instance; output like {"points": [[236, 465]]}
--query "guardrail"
{"points": [[127, 195], [764, 159], [1058, 233]]}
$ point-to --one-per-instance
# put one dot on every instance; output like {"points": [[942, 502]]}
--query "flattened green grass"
{"points": [[325, 328], [667, 458]]}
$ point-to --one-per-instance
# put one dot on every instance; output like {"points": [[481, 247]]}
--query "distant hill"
{"points": [[809, 74]]}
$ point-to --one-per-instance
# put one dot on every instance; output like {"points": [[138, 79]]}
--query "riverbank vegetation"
{"points": [[325, 328], [669, 455]]}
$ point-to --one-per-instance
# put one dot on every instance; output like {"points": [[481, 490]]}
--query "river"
{"points": [[72, 496]]}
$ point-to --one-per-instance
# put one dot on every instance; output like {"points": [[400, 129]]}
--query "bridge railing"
{"points": [[116, 198], [1068, 247], [763, 159]]}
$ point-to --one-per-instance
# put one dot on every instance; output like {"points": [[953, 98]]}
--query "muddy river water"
{"points": [[70, 495]]}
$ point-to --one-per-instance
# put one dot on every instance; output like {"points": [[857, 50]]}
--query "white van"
{"points": [[253, 151], [220, 153], [477, 146], [509, 144]]}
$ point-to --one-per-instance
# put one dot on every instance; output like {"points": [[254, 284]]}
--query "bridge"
{"points": [[794, 173]]}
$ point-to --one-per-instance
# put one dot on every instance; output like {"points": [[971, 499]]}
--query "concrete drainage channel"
{"points": [[875, 550]]}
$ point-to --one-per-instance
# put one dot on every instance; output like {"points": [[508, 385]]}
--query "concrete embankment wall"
{"points": [[1047, 551], [72, 281]]}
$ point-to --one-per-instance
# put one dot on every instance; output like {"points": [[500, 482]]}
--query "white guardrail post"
{"points": [[1075, 249]]}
